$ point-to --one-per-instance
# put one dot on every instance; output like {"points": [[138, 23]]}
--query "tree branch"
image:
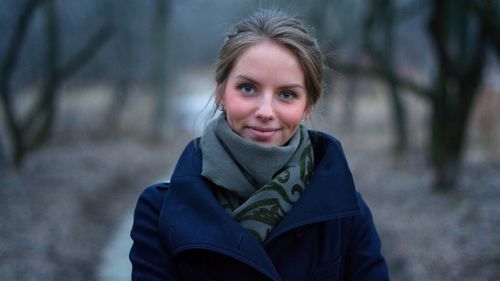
{"points": [[86, 53], [372, 71], [16, 40]]}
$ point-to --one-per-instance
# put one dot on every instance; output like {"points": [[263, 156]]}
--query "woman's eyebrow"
{"points": [[253, 81], [249, 79], [293, 85]]}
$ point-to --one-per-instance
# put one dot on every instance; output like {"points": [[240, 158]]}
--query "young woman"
{"points": [[258, 196]]}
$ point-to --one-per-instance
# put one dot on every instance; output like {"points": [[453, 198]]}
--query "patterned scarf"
{"points": [[257, 185]]}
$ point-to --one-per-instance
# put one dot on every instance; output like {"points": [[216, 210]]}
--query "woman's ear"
{"points": [[307, 112]]}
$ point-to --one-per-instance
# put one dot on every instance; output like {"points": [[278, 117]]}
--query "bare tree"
{"points": [[460, 33], [459, 36], [29, 133]]}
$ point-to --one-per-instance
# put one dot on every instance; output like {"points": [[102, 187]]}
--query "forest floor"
{"points": [[59, 211]]}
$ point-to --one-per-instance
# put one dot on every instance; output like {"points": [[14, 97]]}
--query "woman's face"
{"points": [[265, 96]]}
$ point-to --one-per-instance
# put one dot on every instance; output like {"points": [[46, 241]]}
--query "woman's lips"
{"points": [[261, 134]]}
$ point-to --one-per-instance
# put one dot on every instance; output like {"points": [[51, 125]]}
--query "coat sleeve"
{"points": [[150, 260], [365, 261]]}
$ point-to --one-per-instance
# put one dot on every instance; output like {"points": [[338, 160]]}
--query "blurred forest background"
{"points": [[98, 99]]}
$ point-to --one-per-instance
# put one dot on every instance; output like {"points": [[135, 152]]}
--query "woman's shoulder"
{"points": [[325, 145], [152, 196], [190, 160], [156, 187], [319, 138]]}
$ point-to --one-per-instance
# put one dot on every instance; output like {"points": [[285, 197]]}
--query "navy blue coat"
{"points": [[181, 232]]}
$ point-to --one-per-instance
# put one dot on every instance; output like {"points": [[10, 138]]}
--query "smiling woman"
{"points": [[258, 196]]}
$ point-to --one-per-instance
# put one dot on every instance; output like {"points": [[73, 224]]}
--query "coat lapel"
{"points": [[207, 226]]}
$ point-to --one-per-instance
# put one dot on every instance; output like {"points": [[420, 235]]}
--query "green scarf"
{"points": [[257, 185]]}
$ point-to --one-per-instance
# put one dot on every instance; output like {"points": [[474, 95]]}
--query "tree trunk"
{"points": [[399, 119], [450, 116], [124, 81], [9, 64], [160, 65], [460, 54], [445, 142]]}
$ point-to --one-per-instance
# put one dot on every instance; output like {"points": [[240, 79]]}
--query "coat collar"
{"points": [[330, 194]]}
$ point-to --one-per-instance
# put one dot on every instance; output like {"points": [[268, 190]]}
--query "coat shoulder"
{"points": [[322, 142], [152, 196], [322, 138]]}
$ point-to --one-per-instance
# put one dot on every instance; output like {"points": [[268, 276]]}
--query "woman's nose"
{"points": [[265, 109]]}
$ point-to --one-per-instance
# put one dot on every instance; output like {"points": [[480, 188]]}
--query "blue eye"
{"points": [[288, 95], [247, 89]]}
